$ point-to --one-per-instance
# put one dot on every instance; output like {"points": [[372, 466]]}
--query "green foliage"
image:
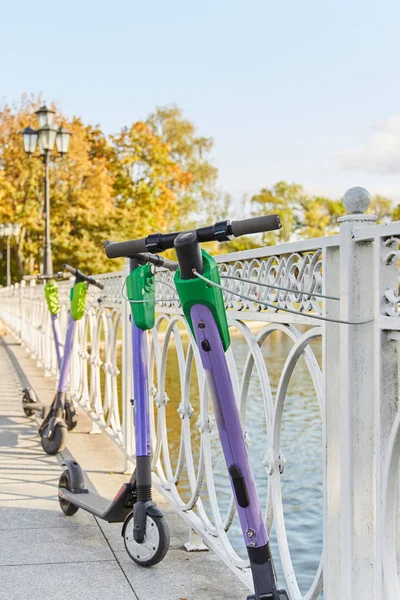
{"points": [[191, 152], [284, 199], [383, 208], [301, 215], [396, 213]]}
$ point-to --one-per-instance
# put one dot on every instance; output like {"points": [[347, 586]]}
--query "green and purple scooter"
{"points": [[203, 305], [30, 402], [61, 415]]}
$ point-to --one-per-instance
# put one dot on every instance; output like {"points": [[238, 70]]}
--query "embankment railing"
{"points": [[356, 389]]}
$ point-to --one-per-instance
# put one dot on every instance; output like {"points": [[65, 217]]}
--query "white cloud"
{"points": [[379, 154]]}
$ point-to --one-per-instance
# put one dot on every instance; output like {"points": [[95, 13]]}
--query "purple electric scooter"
{"points": [[30, 402], [62, 416], [203, 305], [145, 530]]}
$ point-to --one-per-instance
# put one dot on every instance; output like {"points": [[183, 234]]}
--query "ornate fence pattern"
{"points": [[357, 391]]}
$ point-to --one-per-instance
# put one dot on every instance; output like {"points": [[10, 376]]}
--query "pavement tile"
{"points": [[42, 513], [197, 576], [29, 490], [82, 581], [48, 545]]}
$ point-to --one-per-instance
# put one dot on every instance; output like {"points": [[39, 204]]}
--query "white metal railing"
{"points": [[357, 391]]}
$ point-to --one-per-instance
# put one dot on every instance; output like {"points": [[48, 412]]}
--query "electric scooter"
{"points": [[197, 281], [145, 530], [30, 402], [53, 430]]}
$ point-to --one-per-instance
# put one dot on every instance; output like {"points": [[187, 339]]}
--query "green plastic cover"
{"points": [[51, 295], [140, 285], [197, 291], [78, 299]]}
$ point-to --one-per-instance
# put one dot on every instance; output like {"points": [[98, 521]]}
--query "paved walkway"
{"points": [[44, 554]]}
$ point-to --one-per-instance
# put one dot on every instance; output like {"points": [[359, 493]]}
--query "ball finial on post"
{"points": [[357, 200]]}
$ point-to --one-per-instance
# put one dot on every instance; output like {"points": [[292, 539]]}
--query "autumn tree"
{"points": [[93, 195], [192, 152], [396, 213], [382, 207], [20, 187], [80, 192], [286, 200], [162, 173], [319, 216], [146, 200]]}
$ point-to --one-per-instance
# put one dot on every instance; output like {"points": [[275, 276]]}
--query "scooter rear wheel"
{"points": [[155, 545], [57, 443], [67, 508], [26, 399]]}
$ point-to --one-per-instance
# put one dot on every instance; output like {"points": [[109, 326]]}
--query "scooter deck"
{"points": [[113, 511], [36, 407]]}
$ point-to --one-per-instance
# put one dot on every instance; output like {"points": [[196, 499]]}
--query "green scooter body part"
{"points": [[78, 296], [52, 298], [196, 291], [140, 288]]}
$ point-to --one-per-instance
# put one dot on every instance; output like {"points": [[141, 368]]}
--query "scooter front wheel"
{"points": [[65, 482], [71, 418], [57, 441], [155, 544]]}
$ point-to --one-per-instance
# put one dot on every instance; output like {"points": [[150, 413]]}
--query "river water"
{"points": [[301, 441]]}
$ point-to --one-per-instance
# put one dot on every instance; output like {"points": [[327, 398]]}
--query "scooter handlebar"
{"points": [[57, 276], [82, 277], [157, 261], [221, 232], [171, 265]]}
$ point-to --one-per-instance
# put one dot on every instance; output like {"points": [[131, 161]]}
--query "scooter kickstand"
{"points": [[278, 595]]}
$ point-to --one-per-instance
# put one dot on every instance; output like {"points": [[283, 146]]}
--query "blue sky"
{"points": [[307, 91]]}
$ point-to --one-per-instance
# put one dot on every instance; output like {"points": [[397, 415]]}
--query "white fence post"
{"points": [[32, 336], [331, 424], [386, 406], [21, 310], [357, 409]]}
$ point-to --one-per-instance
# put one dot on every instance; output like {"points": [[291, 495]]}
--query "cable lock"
{"points": [[278, 308]]}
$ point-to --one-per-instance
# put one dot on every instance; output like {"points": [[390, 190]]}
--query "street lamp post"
{"points": [[7, 231], [46, 136]]}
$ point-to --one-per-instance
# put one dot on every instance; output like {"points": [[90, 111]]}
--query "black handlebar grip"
{"points": [[256, 225], [124, 249], [71, 270]]}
